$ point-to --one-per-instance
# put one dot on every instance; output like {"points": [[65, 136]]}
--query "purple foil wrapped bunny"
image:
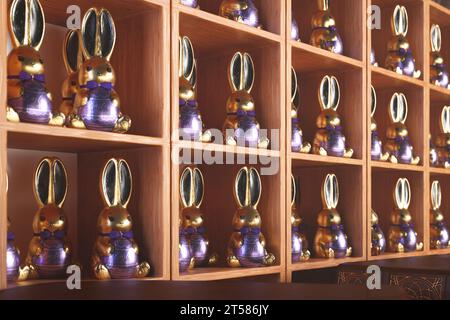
{"points": [[243, 11], [439, 74]]}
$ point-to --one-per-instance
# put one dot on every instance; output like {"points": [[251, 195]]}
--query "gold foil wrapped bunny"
{"points": [[438, 72], [439, 234], [443, 140], [324, 31], [376, 144], [300, 250], [297, 143]]}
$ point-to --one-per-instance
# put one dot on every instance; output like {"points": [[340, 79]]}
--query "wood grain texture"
{"points": [[3, 208]]}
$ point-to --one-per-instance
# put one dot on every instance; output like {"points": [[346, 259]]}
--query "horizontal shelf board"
{"points": [[213, 34], [226, 149], [316, 263], [380, 165], [390, 255], [42, 137], [210, 274], [435, 252], [383, 78], [314, 160], [307, 58], [439, 14], [434, 170], [439, 94]]}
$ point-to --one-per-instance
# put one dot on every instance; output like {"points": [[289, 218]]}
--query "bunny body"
{"points": [[324, 32], [400, 58], [331, 240], [190, 122], [443, 140], [97, 104], [398, 144], [438, 72], [240, 126], [300, 250], [243, 11], [49, 252], [297, 144], [247, 244], [185, 258], [378, 244], [439, 233], [190, 3], [329, 139], [116, 254], [28, 97], [12, 257], [402, 237], [193, 232]]}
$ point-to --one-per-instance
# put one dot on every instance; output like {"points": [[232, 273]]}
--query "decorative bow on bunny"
{"points": [[324, 31], [378, 243], [402, 237], [97, 104], [297, 144], [190, 122], [300, 250], [329, 139], [400, 57], [192, 229], [247, 246], [49, 252], [398, 144], [376, 146], [28, 97], [443, 140], [438, 73], [240, 126], [439, 233], [243, 11], [116, 254], [330, 240]]}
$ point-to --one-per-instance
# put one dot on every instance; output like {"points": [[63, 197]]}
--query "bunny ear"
{"points": [[405, 21], [186, 186], [50, 182], [72, 54], [293, 190], [398, 108], [400, 21], [436, 195], [89, 34], [329, 93], [406, 193], [373, 101], [42, 182], [107, 33], [27, 23], [436, 38], [60, 182], [199, 187], [187, 58], [445, 119], [404, 108], [193, 79], [402, 194], [254, 186], [323, 4], [125, 183], [330, 191], [294, 87], [249, 73], [109, 183], [241, 188]]}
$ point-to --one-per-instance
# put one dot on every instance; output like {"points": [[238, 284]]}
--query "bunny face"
{"points": [[398, 113], [50, 188], [187, 72], [329, 97], [96, 69], [191, 193], [116, 188], [241, 76], [25, 59]]}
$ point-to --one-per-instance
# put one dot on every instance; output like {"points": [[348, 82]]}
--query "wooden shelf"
{"points": [[439, 13], [306, 160], [384, 78], [435, 170], [390, 255], [439, 95], [220, 148], [382, 166], [213, 274], [321, 263]]}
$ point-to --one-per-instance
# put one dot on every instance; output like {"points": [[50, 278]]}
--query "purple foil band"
{"points": [[114, 235], [247, 230], [24, 76], [91, 85], [45, 235]]}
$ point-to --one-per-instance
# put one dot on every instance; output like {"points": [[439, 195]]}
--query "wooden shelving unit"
{"points": [[146, 63]]}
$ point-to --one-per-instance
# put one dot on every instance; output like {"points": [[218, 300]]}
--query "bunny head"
{"points": [[373, 108], [445, 120], [399, 26], [402, 200], [323, 18], [295, 94], [187, 72], [115, 187], [241, 76], [50, 189], [247, 192], [398, 112], [295, 218], [98, 35], [436, 43], [373, 218], [73, 58], [329, 97], [27, 28], [330, 197], [191, 193]]}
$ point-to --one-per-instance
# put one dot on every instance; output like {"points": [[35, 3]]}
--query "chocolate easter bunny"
{"points": [[443, 140], [240, 126], [28, 97], [115, 253], [324, 31], [434, 156], [295, 31], [438, 73], [97, 104], [247, 244], [330, 240], [378, 240], [190, 3], [191, 193], [300, 250], [400, 58], [190, 122], [373, 59], [398, 144], [439, 234], [297, 143], [402, 237], [49, 252], [377, 145], [329, 139], [73, 58], [243, 11]]}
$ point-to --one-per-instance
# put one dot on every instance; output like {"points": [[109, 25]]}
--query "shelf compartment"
{"points": [[439, 95], [350, 21], [270, 15]]}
